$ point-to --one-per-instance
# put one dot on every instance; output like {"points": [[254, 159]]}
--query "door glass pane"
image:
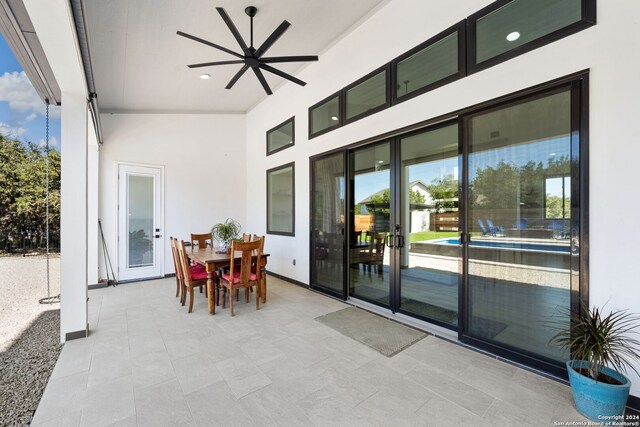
{"points": [[429, 217], [369, 273], [367, 95], [520, 22], [326, 115], [328, 223], [430, 65], [519, 258], [140, 220]]}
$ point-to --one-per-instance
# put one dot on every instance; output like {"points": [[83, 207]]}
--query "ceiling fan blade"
{"points": [[209, 64], [237, 76], [275, 59], [282, 74], [233, 30], [263, 81], [272, 38], [199, 40]]}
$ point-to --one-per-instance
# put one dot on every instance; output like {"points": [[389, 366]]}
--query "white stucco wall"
{"points": [[608, 49], [204, 164]]}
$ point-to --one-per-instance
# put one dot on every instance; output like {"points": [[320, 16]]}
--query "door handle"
{"points": [[157, 236], [387, 240], [400, 242]]}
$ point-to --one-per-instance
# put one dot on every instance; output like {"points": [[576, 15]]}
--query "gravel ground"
{"points": [[29, 335]]}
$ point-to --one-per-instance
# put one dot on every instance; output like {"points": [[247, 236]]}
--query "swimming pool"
{"points": [[523, 246]]}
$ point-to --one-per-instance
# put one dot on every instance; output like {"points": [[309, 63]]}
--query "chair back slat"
{"points": [[247, 250], [184, 261], [200, 239]]}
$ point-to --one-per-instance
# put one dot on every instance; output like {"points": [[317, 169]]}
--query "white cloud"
{"points": [[11, 131], [17, 90], [53, 142]]}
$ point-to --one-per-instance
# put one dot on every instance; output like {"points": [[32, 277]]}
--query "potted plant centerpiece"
{"points": [[602, 347], [224, 232]]}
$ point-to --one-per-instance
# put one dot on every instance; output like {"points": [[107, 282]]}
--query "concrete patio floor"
{"points": [[149, 363]]}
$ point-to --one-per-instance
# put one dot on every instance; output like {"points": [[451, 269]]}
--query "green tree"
{"points": [[23, 188], [443, 191]]}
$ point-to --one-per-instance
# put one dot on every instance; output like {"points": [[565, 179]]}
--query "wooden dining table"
{"points": [[212, 261]]}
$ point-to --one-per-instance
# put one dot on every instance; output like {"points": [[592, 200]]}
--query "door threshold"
{"points": [[430, 328]]}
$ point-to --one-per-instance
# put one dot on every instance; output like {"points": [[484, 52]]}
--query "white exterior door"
{"points": [[140, 222]]}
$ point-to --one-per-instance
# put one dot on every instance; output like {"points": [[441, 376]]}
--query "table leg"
{"points": [[211, 292]]}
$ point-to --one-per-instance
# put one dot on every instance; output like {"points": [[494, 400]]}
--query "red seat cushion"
{"points": [[236, 277], [197, 267], [199, 273]]}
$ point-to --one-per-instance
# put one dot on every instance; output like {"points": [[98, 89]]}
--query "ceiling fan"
{"points": [[252, 58]]}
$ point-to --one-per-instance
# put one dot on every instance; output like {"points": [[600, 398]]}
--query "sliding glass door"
{"points": [[429, 248], [474, 224], [371, 193], [520, 212], [328, 225]]}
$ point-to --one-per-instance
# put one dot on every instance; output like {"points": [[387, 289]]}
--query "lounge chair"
{"points": [[482, 227], [495, 229], [522, 223]]}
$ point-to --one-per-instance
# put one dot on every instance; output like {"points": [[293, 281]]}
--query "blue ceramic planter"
{"points": [[596, 400]]}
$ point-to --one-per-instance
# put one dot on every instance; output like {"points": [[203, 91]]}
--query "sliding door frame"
{"points": [[579, 84], [579, 140]]}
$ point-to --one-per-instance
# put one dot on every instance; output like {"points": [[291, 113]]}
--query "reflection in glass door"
{"points": [[519, 220], [327, 225], [370, 216], [430, 251]]}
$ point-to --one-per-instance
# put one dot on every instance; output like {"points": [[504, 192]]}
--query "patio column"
{"points": [[73, 217]]}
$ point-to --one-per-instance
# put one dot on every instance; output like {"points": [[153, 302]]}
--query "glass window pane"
{"points": [[140, 219], [430, 218], [326, 115], [280, 137], [328, 192], [520, 22], [280, 215], [428, 66], [370, 186], [519, 260], [367, 95]]}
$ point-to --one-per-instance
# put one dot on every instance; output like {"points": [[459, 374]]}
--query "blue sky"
{"points": [[22, 112]]}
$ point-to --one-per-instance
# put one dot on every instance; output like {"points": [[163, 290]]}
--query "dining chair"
{"points": [[201, 239], [263, 272], [176, 266], [240, 276], [192, 276]]}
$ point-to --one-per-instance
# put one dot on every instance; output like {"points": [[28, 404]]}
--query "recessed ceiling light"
{"points": [[380, 162], [552, 154], [513, 36], [334, 118], [205, 76]]}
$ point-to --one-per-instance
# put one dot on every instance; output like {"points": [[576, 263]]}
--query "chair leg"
{"points": [[224, 296], [190, 299], [206, 291], [231, 301], [237, 294], [177, 287], [258, 297], [246, 295], [183, 296]]}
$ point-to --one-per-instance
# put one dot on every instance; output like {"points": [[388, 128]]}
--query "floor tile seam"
{"points": [[460, 407]]}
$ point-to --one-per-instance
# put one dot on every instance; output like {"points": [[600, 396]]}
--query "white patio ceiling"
{"points": [[140, 64]]}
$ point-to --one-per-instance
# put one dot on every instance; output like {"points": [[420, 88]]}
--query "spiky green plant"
{"points": [[601, 340], [224, 232]]}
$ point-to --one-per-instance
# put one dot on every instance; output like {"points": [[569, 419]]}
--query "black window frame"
{"points": [[386, 68], [292, 165], [461, 29], [293, 135], [588, 20], [338, 124]]}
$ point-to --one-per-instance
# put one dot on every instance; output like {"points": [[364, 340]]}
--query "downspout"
{"points": [[77, 8]]}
